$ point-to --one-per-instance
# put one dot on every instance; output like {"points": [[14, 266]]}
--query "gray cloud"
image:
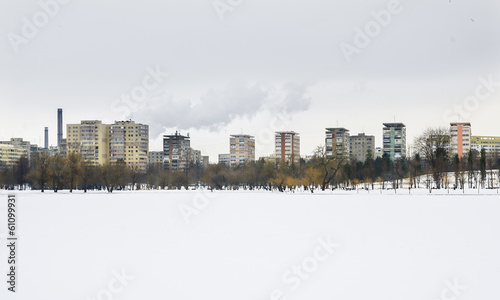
{"points": [[93, 51], [296, 98], [217, 108]]}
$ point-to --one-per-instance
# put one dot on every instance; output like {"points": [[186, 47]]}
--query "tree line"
{"points": [[431, 166]]}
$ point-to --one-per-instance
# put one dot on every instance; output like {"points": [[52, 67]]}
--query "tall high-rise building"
{"points": [[394, 137], [361, 145], [241, 148], [177, 151], [90, 139], [100, 143], [59, 126], [337, 142], [460, 138], [46, 140], [129, 141], [287, 146]]}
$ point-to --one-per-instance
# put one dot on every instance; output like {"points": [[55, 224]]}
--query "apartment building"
{"points": [[394, 140], [241, 149], [287, 146], [491, 144], [90, 139], [337, 142], [460, 138], [129, 141], [225, 159], [22, 144], [155, 157], [361, 145], [100, 143], [10, 154], [177, 151], [195, 157]]}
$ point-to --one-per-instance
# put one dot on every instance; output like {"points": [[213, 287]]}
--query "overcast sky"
{"points": [[250, 66]]}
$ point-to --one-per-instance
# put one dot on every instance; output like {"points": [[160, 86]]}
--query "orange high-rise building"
{"points": [[460, 138]]}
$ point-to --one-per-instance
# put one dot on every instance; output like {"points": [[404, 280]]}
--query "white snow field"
{"points": [[254, 245]]}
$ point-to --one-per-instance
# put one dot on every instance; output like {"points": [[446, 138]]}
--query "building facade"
{"points": [[195, 157], [10, 154], [205, 161], [361, 146], [21, 144], [100, 143], [63, 149], [176, 151], [460, 138], [90, 139], [337, 142], [287, 146], [156, 157], [241, 149], [129, 141], [394, 140], [491, 144], [225, 159]]}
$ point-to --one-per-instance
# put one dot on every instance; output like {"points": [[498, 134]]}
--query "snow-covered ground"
{"points": [[255, 245]]}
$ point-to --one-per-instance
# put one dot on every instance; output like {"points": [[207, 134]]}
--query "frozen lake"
{"points": [[254, 245]]}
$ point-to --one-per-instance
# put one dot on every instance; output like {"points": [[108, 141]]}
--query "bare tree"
{"points": [[471, 168], [490, 161], [328, 165], [20, 171], [432, 145], [482, 167], [75, 167], [40, 171], [115, 175], [58, 172], [89, 176]]}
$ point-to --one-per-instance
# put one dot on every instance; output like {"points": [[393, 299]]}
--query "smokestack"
{"points": [[59, 127], [46, 137]]}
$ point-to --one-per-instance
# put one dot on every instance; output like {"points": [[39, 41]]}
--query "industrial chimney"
{"points": [[59, 127], [46, 138]]}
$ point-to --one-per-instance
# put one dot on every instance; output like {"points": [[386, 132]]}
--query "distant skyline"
{"points": [[416, 62]]}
